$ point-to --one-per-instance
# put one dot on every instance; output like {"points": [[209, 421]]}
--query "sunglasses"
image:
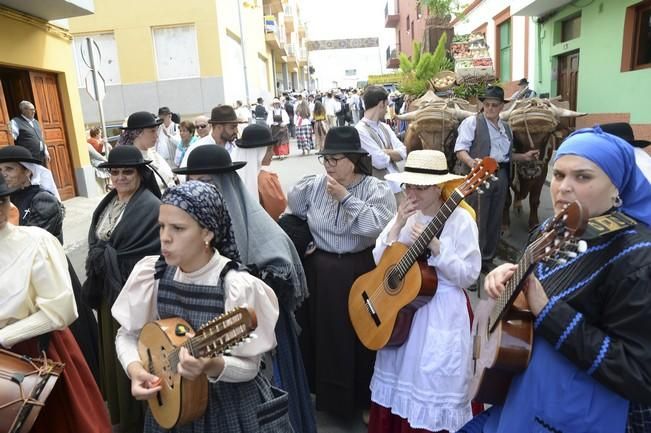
{"points": [[122, 171], [203, 125], [408, 186]]}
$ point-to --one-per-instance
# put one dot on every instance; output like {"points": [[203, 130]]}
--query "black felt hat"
{"points": [[4, 189], [17, 154], [209, 159], [124, 156], [624, 131], [344, 139], [523, 82], [494, 92], [256, 136], [142, 120]]}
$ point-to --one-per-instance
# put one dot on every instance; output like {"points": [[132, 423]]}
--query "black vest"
{"points": [[29, 137]]}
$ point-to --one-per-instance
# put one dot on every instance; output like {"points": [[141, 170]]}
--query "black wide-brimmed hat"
{"points": [[494, 92], [142, 120], [343, 139], [123, 157], [209, 159], [17, 154], [4, 189], [223, 114], [624, 131], [256, 136], [523, 82]]}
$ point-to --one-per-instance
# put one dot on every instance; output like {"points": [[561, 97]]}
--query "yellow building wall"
{"points": [[29, 43], [132, 21]]}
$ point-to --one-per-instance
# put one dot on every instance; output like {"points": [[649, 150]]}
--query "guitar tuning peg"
{"points": [[487, 185], [571, 254], [547, 250], [561, 261], [480, 191], [493, 177]]}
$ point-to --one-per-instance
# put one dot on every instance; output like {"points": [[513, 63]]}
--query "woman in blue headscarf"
{"points": [[590, 369]]}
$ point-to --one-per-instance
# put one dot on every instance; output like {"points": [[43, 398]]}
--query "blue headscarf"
{"points": [[204, 203], [617, 159]]}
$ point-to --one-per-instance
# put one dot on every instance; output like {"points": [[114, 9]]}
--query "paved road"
{"points": [[290, 170]]}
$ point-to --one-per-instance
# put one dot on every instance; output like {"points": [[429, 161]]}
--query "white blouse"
{"points": [[35, 291], [459, 260], [137, 305]]}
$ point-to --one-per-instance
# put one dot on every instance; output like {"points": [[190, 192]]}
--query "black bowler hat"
{"points": [[17, 154], [209, 159], [124, 156], [142, 120], [523, 82], [223, 114], [256, 136], [624, 131], [344, 139], [494, 92], [4, 189]]}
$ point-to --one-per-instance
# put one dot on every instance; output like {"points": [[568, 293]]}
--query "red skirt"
{"points": [[75, 404], [381, 420], [281, 149]]}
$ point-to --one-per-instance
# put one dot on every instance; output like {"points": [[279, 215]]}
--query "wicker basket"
{"points": [[443, 75]]}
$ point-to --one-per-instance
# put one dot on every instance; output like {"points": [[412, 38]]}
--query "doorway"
{"points": [[568, 79], [42, 89]]}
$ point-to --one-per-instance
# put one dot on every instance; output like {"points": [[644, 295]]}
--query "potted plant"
{"points": [[438, 22]]}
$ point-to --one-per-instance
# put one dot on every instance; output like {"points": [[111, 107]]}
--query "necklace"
{"points": [[115, 210]]}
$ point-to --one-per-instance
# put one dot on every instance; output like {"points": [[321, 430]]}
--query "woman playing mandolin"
{"points": [[590, 369], [197, 278], [422, 384]]}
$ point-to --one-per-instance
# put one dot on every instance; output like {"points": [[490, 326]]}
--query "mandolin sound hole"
{"points": [[392, 281]]}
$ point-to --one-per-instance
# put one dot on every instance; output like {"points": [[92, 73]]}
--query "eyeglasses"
{"points": [[329, 160], [124, 171], [203, 125], [408, 186]]}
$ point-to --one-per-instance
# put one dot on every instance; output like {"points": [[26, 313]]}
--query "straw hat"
{"points": [[424, 167]]}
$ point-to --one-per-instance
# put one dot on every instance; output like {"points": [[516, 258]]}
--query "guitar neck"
{"points": [[512, 288], [432, 229], [213, 339]]}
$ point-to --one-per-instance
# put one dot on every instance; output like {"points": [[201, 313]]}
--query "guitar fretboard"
{"points": [[432, 229], [512, 288]]}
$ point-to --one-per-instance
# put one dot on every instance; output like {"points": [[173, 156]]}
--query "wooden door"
{"points": [[5, 126], [568, 79], [45, 90]]}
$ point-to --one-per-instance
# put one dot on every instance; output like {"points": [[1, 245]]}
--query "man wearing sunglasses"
{"points": [[487, 135], [202, 126]]}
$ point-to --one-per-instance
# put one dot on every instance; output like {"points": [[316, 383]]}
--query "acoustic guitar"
{"points": [[382, 302], [181, 400], [502, 333]]}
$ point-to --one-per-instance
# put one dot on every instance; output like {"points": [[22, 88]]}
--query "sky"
{"points": [[342, 19]]}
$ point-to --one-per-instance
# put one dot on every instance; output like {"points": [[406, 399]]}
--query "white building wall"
{"points": [[484, 13]]}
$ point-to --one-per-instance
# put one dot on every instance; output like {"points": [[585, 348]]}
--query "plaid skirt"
{"points": [[304, 137]]}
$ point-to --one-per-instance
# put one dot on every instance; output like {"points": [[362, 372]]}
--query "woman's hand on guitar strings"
{"points": [[495, 280], [434, 245], [190, 367], [144, 385]]}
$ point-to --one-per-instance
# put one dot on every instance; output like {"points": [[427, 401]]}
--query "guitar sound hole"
{"points": [[393, 281]]}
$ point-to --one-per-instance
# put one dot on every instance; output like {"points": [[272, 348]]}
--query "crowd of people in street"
{"points": [[195, 223]]}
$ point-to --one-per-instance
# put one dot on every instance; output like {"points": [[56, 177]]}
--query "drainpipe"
{"points": [[246, 76]]}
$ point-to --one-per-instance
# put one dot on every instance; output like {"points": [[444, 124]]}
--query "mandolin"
{"points": [[182, 400], [502, 334], [382, 302]]}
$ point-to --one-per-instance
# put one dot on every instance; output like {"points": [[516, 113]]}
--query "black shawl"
{"points": [[109, 264]]}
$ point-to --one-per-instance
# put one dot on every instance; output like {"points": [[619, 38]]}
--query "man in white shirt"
{"points": [[168, 136], [224, 123], [332, 107], [27, 132], [202, 126], [353, 103], [378, 139]]}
